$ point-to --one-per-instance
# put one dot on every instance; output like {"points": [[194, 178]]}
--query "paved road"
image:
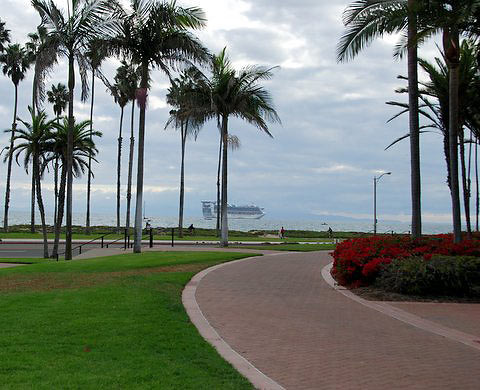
{"points": [[279, 314], [35, 250]]}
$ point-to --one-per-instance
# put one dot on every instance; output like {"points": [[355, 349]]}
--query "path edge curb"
{"points": [[242, 365], [402, 315]]}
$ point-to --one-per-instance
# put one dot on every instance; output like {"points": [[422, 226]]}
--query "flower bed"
{"points": [[357, 262]]}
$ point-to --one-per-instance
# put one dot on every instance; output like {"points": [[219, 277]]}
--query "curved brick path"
{"points": [[278, 313]]}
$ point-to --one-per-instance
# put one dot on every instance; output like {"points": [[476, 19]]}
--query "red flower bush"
{"points": [[358, 261]]}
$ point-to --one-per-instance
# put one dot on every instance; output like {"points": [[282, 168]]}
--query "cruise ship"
{"points": [[249, 211]]}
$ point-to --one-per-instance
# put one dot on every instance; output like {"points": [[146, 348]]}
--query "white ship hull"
{"points": [[209, 209], [237, 216]]}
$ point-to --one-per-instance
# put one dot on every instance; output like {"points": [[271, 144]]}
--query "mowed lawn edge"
{"points": [[112, 322]]}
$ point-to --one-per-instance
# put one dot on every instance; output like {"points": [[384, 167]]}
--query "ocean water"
{"points": [[19, 217]]}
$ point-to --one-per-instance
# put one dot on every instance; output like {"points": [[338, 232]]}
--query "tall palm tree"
{"points": [[437, 113], [232, 93], [58, 97], [96, 53], [69, 36], [128, 79], [367, 20], [182, 118], [33, 46], [35, 142], [155, 35], [453, 18], [83, 148], [121, 98], [15, 63]]}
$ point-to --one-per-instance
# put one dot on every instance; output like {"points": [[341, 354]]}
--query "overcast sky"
{"points": [[322, 159]]}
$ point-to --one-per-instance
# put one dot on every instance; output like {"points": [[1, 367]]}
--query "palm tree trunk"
{"points": [[61, 208], [55, 180], [9, 166], [451, 45], [446, 151], [130, 169], [414, 124], [466, 192], [71, 87], [137, 247], [32, 212], [183, 132], [224, 238], [34, 94], [219, 214], [36, 174], [89, 178], [119, 163]]}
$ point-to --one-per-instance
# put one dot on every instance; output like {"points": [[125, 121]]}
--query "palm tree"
{"points": [[69, 36], [121, 98], [232, 93], [369, 19], [128, 79], [438, 113], [58, 97], [182, 118], [83, 148], [154, 35], [96, 54], [15, 63], [33, 46], [35, 142], [453, 18]]}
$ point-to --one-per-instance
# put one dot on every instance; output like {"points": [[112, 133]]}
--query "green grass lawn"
{"points": [[115, 322], [291, 247]]}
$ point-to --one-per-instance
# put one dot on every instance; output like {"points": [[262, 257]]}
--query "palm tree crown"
{"points": [[83, 145], [16, 62], [58, 97], [35, 140], [70, 35]]}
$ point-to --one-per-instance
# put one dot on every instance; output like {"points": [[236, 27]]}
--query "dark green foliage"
{"points": [[441, 276]]}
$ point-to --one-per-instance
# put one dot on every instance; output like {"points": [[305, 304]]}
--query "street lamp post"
{"points": [[375, 181]]}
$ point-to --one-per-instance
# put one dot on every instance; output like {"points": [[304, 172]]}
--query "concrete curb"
{"points": [[401, 315], [247, 369]]}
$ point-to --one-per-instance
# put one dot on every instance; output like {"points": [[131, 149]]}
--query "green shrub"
{"points": [[442, 276]]}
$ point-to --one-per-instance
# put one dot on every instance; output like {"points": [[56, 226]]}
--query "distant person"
{"points": [[191, 229], [282, 233], [330, 232]]}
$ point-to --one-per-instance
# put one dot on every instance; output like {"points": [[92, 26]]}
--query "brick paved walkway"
{"points": [[279, 314]]}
